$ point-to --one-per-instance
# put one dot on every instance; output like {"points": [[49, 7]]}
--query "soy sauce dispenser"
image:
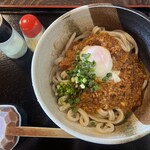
{"points": [[12, 43]]}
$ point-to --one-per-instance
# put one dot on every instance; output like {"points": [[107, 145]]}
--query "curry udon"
{"points": [[98, 78]]}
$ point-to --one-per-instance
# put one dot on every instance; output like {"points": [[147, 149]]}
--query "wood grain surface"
{"points": [[71, 3]]}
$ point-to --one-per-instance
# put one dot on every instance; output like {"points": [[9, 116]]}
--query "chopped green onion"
{"points": [[95, 88], [77, 100], [84, 80], [92, 123], [82, 86], [81, 77], [106, 78], [74, 109], [70, 101], [109, 75]]}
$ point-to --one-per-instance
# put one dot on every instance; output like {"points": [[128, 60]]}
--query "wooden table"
{"points": [[69, 3]]}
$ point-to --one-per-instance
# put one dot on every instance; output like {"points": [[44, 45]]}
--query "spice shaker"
{"points": [[32, 30], [12, 43]]}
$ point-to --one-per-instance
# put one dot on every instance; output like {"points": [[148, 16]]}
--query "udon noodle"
{"points": [[106, 106]]}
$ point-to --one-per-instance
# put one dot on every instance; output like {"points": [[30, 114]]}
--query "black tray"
{"points": [[16, 89]]}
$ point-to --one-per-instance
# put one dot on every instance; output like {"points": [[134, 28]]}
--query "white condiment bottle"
{"points": [[12, 43], [32, 30]]}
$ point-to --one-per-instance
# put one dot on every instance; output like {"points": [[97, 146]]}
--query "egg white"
{"points": [[102, 57]]}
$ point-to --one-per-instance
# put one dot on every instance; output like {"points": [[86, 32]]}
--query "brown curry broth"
{"points": [[126, 94]]}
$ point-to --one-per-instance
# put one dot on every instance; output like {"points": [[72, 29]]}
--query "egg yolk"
{"points": [[102, 58]]}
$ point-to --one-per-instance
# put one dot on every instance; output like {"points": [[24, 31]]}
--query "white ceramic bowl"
{"points": [[56, 35]]}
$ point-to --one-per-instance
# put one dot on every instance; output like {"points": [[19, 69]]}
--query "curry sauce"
{"points": [[126, 94]]}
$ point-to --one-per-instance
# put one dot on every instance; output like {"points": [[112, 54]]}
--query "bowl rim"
{"points": [[99, 140]]}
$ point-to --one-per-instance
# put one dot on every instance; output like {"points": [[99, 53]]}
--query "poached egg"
{"points": [[102, 57]]}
